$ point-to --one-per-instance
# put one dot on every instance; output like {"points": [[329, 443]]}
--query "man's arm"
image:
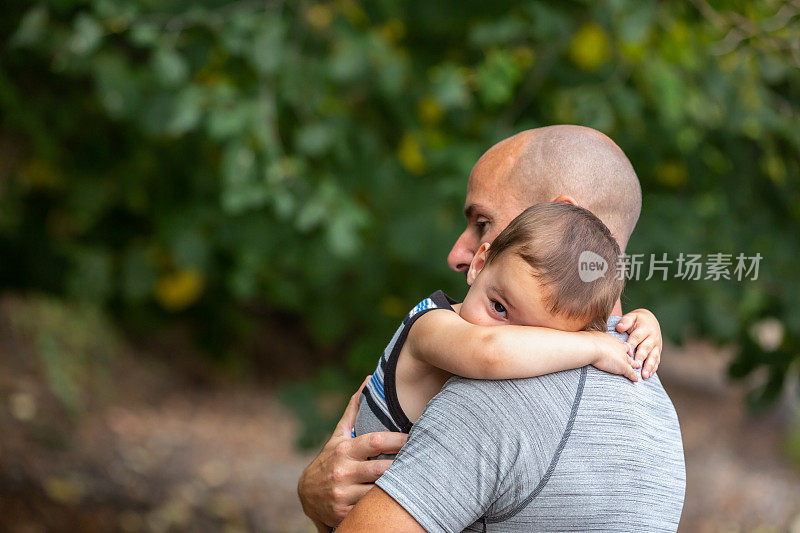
{"points": [[456, 460], [377, 511], [475, 445], [341, 474]]}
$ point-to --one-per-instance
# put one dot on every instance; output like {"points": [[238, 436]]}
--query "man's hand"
{"points": [[341, 474]]}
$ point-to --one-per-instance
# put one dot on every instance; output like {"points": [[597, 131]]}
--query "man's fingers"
{"points": [[372, 444], [361, 490], [349, 496], [369, 471], [348, 419], [352, 496]]}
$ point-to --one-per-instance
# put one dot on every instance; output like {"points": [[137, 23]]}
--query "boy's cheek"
{"points": [[479, 317]]}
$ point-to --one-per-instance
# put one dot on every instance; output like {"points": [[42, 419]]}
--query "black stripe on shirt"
{"points": [[379, 414]]}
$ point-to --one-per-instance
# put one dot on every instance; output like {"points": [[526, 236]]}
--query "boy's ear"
{"points": [[477, 264]]}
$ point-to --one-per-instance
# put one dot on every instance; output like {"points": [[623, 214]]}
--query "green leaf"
{"points": [[449, 86], [268, 48], [137, 275], [186, 112], [86, 36], [170, 67], [90, 277], [32, 27], [314, 139]]}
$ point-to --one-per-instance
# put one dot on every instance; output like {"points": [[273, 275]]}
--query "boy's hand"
{"points": [[614, 356], [644, 336]]}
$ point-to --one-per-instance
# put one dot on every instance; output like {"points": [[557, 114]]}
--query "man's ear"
{"points": [[566, 199], [478, 262]]}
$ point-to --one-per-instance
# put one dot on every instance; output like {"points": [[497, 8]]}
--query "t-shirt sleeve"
{"points": [[463, 455]]}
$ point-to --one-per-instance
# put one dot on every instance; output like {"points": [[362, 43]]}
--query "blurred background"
{"points": [[214, 214]]}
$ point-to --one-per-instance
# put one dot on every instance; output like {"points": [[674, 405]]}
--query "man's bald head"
{"points": [[542, 164]]}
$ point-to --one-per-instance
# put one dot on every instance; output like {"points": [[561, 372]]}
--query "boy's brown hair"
{"points": [[555, 239]]}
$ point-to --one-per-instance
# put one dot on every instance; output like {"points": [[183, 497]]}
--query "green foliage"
{"points": [[191, 157], [76, 346]]}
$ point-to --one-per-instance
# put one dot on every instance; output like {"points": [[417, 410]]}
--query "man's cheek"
{"points": [[492, 236]]}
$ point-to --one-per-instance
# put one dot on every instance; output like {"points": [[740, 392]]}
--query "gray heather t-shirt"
{"points": [[579, 450]]}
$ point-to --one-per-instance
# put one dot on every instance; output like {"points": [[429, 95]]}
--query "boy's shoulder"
{"points": [[437, 300]]}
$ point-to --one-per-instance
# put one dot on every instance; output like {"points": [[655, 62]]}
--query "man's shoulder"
{"points": [[514, 400], [566, 379], [558, 392]]}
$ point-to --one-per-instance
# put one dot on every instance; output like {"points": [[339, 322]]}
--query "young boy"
{"points": [[527, 283]]}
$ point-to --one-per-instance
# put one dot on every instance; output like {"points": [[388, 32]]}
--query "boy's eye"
{"points": [[498, 308], [481, 225]]}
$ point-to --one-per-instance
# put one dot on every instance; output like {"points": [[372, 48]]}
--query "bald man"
{"points": [[572, 451]]}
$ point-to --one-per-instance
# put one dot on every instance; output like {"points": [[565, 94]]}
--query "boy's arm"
{"points": [[447, 341]]}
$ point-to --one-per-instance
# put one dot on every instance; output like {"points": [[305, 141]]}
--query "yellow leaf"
{"points": [[590, 47], [429, 111], [38, 174], [319, 16], [633, 52], [353, 12], [523, 57], [681, 33], [179, 290], [775, 168], [672, 173], [393, 31], [410, 154]]}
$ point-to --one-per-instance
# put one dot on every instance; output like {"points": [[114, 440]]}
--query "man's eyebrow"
{"points": [[471, 210]]}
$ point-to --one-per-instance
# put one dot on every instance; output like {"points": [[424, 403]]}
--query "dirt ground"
{"points": [[738, 477], [154, 451]]}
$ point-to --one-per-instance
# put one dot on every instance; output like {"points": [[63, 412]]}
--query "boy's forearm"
{"points": [[448, 342], [509, 352]]}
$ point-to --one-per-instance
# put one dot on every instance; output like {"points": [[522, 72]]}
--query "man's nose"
{"points": [[461, 255]]}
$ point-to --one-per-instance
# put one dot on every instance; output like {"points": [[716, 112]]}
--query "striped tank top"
{"points": [[379, 408]]}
